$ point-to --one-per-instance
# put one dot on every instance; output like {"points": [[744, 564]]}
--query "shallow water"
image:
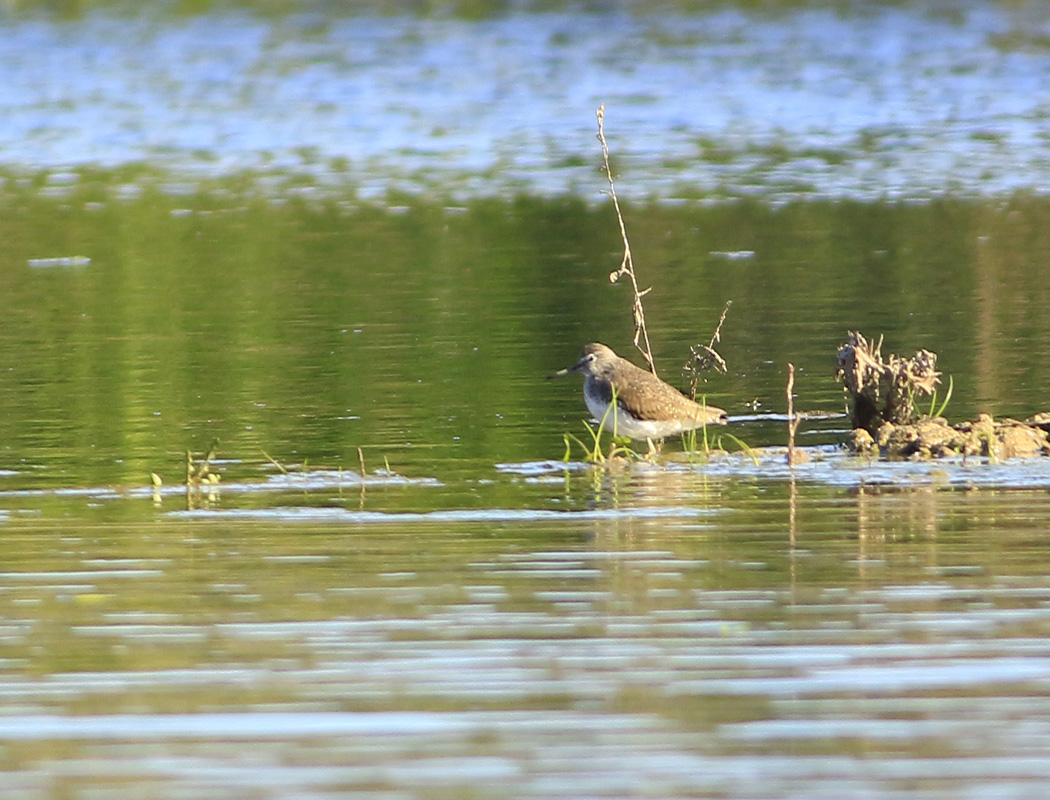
{"points": [[399, 588], [762, 640], [476, 616]]}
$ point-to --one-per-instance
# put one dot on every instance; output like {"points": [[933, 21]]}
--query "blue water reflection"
{"points": [[900, 101]]}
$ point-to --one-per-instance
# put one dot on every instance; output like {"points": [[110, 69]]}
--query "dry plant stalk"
{"points": [[792, 417], [275, 463], [704, 356], [883, 391], [627, 265], [364, 476]]}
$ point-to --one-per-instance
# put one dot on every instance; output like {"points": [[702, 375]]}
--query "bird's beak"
{"points": [[559, 373], [562, 372]]}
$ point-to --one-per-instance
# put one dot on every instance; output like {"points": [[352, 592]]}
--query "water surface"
{"points": [[893, 644], [476, 616], [872, 101], [351, 248]]}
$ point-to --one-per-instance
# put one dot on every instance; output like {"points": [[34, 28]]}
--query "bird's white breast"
{"points": [[622, 423]]}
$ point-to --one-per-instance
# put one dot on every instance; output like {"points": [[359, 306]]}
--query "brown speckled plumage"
{"points": [[647, 407]]}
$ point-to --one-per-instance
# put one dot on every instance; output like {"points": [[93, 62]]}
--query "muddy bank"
{"points": [[935, 438]]}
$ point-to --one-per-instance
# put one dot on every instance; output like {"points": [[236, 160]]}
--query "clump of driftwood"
{"points": [[886, 420], [884, 391]]}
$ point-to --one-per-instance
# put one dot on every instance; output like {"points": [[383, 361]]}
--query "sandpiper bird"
{"points": [[646, 407]]}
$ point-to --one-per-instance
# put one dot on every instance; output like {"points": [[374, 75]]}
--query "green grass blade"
{"points": [[743, 446], [947, 397]]}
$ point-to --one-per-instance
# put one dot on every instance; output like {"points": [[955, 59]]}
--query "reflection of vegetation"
{"points": [[309, 328], [714, 152], [199, 473], [201, 480], [1021, 41], [771, 153]]}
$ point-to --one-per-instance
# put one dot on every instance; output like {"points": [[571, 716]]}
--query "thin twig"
{"points": [[627, 265], [361, 459], [717, 335], [792, 419], [274, 462], [705, 357]]}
